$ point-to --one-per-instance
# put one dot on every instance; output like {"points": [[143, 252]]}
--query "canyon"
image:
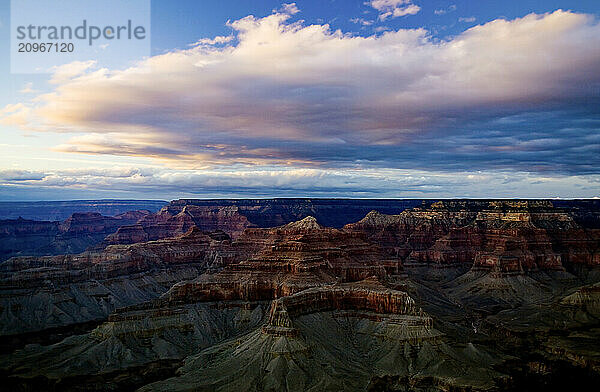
{"points": [[310, 295], [25, 237]]}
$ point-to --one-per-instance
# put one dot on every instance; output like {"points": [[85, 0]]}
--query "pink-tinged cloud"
{"points": [[294, 94]]}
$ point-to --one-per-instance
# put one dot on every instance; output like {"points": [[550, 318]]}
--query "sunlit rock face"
{"points": [[456, 295], [506, 236], [288, 259], [366, 299], [234, 216], [289, 282], [174, 220]]}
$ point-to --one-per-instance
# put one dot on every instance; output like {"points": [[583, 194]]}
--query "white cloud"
{"points": [[171, 184], [443, 11], [28, 89], [67, 72], [362, 22], [467, 20], [17, 114], [289, 8], [380, 29], [218, 40], [394, 8]]}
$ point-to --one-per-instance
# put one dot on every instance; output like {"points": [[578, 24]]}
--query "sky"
{"points": [[330, 98]]}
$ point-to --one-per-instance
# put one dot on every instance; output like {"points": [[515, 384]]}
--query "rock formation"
{"points": [[172, 221], [52, 291], [453, 295], [61, 210], [234, 216], [293, 281], [22, 237], [505, 236], [281, 261]]}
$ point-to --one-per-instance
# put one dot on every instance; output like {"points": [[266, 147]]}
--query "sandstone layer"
{"points": [[504, 236], [233, 216], [51, 291], [452, 295]]}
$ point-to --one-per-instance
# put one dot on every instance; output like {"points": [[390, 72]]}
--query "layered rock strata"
{"points": [[294, 257], [234, 216], [21, 237], [44, 292], [306, 307], [504, 236], [172, 221]]}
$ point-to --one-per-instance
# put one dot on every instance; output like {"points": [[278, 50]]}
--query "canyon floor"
{"points": [[306, 295]]}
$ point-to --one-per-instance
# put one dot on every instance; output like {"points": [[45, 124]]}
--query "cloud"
{"points": [[507, 95], [28, 89], [442, 11], [17, 114], [64, 73], [289, 8], [12, 108], [394, 8], [362, 22], [467, 20], [380, 29], [269, 182], [17, 176], [218, 40]]}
